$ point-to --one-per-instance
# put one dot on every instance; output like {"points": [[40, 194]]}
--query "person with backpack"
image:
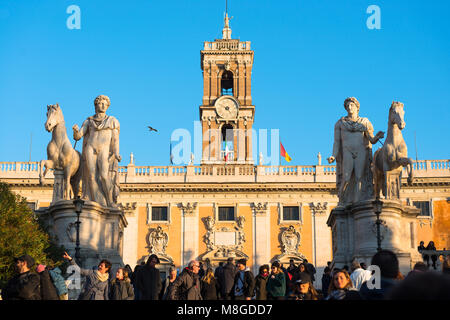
{"points": [[48, 290], [60, 283]]}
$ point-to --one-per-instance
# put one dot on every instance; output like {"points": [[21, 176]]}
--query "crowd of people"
{"points": [[234, 280]]}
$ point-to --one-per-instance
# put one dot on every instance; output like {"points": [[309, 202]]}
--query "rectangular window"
{"points": [[291, 213], [159, 214], [226, 214], [424, 207]]}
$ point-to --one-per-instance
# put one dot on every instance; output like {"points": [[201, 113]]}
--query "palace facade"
{"points": [[231, 205]]}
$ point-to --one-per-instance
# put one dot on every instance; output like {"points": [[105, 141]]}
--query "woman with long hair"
{"points": [[304, 289], [120, 287], [276, 284], [341, 287], [209, 285]]}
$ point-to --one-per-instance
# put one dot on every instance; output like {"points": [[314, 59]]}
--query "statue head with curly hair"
{"points": [[102, 103], [351, 100]]}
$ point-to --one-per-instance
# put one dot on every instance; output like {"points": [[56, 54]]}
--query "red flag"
{"points": [[284, 154]]}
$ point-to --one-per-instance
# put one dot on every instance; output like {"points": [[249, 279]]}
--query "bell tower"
{"points": [[227, 113]]}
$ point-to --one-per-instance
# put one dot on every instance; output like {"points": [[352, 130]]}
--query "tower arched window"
{"points": [[227, 151], [226, 83]]}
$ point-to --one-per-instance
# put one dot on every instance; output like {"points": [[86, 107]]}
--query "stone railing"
{"points": [[223, 173], [226, 45]]}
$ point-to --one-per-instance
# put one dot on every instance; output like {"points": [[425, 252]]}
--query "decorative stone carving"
{"points": [[392, 157], [290, 241], [128, 206], [261, 159], [100, 155], [352, 150], [157, 241], [188, 208], [319, 208], [224, 242], [62, 157], [259, 208], [71, 231]]}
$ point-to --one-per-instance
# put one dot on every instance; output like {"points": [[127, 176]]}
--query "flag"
{"points": [[284, 154], [171, 155], [226, 151]]}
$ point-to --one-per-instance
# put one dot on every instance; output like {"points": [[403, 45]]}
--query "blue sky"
{"points": [[145, 55]]}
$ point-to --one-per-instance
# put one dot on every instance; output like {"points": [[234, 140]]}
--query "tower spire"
{"points": [[226, 31]]}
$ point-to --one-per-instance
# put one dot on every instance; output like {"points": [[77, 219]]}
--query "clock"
{"points": [[227, 108]]}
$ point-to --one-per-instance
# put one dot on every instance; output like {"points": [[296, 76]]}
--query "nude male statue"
{"points": [[352, 150], [100, 154]]}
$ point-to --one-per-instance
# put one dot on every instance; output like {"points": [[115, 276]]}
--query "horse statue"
{"points": [[390, 159], [60, 153]]}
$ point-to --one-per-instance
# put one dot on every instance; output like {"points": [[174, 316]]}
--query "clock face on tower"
{"points": [[227, 108]]}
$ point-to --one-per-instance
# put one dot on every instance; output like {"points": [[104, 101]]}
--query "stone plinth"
{"points": [[354, 232], [101, 230]]}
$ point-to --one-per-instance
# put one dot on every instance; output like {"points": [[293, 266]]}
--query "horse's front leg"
{"points": [[408, 163], [66, 182], [48, 164]]}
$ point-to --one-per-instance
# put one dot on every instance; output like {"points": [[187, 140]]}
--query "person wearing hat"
{"points": [[149, 279], [276, 285], [25, 285], [304, 289], [244, 282]]}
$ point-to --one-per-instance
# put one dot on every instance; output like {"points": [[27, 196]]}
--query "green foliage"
{"points": [[22, 233]]}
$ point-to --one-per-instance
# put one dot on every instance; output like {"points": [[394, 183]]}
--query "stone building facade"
{"points": [[230, 206]]}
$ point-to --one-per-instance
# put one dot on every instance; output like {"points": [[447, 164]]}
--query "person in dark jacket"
{"points": [[24, 285], [120, 288], [311, 270], [226, 279], [168, 284], [149, 279], [276, 284], [133, 277], [434, 257], [48, 289], [446, 266], [422, 286], [96, 286], [187, 284], [388, 263], [326, 280], [261, 283], [219, 270], [341, 287], [244, 282], [209, 286]]}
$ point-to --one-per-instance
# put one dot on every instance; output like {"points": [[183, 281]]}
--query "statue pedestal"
{"points": [[354, 233], [58, 185], [101, 230]]}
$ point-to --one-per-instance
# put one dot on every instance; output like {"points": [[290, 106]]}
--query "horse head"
{"points": [[397, 114], [54, 117]]}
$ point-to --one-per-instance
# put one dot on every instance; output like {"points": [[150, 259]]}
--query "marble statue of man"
{"points": [[100, 154], [352, 150]]}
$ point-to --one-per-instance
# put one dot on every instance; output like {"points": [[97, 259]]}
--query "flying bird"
{"points": [[152, 129]]}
